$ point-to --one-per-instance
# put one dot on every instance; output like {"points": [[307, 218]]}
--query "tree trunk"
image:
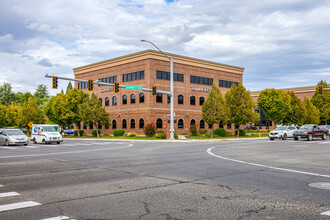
{"points": [[78, 129], [97, 131], [238, 132]]}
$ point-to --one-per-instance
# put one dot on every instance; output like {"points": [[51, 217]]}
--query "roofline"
{"points": [[294, 89], [153, 54]]}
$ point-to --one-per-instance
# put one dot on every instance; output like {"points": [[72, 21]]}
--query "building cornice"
{"points": [[152, 54]]}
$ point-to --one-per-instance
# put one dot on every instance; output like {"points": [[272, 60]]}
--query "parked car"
{"points": [[68, 132], [326, 127], [283, 132], [310, 131], [12, 136]]}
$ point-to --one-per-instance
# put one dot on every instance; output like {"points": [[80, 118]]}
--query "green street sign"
{"points": [[131, 87]]}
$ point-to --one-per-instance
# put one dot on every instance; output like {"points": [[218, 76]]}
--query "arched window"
{"points": [[192, 122], [159, 97], [132, 123], [100, 101], [114, 100], [210, 126], [124, 125], [180, 99], [132, 98], [124, 99], [201, 100], [141, 123], [192, 100], [180, 123], [114, 124], [107, 101], [159, 123], [220, 125], [202, 124], [141, 97]]}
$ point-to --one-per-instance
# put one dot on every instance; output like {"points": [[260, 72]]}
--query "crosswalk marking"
{"points": [[56, 218], [18, 205], [7, 194]]}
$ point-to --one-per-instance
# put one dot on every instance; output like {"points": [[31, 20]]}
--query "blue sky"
{"points": [[281, 44]]}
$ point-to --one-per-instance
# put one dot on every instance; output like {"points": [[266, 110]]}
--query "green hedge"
{"points": [[220, 132], [95, 134], [241, 133], [81, 132], [118, 132]]}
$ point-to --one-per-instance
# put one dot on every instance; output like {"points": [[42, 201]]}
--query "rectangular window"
{"points": [[133, 76], [110, 79], [166, 75], [201, 80], [228, 126], [226, 84]]}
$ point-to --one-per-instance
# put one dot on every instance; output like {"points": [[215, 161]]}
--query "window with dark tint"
{"points": [[106, 127], [201, 100], [180, 99], [192, 122], [99, 126], [159, 97], [180, 123], [141, 97], [111, 79], [192, 100], [133, 76], [132, 98], [236, 126], [228, 126], [107, 101], [202, 124], [114, 100], [91, 126], [100, 101], [220, 125], [159, 123], [124, 99], [168, 99], [201, 80], [210, 126], [141, 123], [85, 127], [124, 125], [166, 75], [79, 125], [226, 84], [82, 85], [114, 124], [132, 123]]}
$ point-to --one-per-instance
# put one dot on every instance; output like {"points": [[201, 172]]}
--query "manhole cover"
{"points": [[320, 185]]}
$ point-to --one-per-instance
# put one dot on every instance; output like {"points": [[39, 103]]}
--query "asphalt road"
{"points": [[103, 179]]}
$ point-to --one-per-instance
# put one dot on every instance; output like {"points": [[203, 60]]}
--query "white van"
{"points": [[43, 133]]}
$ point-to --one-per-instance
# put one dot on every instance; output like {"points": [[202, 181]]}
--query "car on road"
{"points": [[12, 136], [283, 132], [310, 131], [326, 127], [46, 134]]}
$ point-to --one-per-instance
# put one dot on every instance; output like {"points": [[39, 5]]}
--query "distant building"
{"points": [[132, 110]]}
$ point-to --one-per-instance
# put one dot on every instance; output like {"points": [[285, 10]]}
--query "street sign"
{"points": [[30, 124], [131, 87]]}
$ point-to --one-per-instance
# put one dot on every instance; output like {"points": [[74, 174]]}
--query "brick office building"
{"points": [[131, 110]]}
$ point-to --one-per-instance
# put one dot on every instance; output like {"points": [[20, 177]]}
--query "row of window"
{"points": [[159, 124], [133, 76], [111, 79], [82, 85], [201, 80], [167, 76], [159, 99], [226, 84]]}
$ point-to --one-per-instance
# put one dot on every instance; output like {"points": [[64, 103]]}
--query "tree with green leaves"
{"points": [[312, 113], [297, 115], [30, 113], [3, 119], [48, 109], [69, 87], [7, 96], [61, 113], [214, 108], [21, 98], [41, 96], [12, 114], [322, 102], [240, 106], [276, 104]]}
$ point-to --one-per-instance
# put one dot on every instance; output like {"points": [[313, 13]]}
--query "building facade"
{"points": [[131, 110]]}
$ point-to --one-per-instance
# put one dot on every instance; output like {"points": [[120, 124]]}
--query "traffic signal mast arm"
{"points": [[105, 84]]}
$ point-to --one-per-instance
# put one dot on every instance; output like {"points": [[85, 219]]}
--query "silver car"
{"points": [[12, 136], [283, 132]]}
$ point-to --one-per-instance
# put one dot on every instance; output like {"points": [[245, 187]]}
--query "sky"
{"points": [[281, 44]]}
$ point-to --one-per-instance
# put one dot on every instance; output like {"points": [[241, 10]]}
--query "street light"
{"points": [[171, 91]]}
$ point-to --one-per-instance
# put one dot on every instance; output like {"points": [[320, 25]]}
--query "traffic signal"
{"points": [[154, 91], [320, 90], [55, 82], [116, 85], [90, 85]]}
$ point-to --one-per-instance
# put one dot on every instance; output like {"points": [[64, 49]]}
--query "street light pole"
{"points": [[171, 91]]}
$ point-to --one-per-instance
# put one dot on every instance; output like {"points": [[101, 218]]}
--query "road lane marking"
{"points": [[19, 205], [209, 151], [68, 152], [11, 148], [326, 213], [7, 194], [57, 218], [1, 185], [31, 146]]}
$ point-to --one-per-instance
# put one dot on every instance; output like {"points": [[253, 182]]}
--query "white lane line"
{"points": [[19, 205], [31, 146], [326, 213], [69, 152], [56, 218], [7, 194], [324, 143], [209, 151], [87, 144], [1, 185], [11, 148]]}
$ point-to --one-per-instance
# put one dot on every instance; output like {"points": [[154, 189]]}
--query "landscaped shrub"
{"points": [[161, 135], [220, 132], [176, 136], [75, 133], [95, 134], [241, 133], [229, 133], [106, 135], [202, 131], [193, 130], [118, 132], [160, 131], [150, 129], [132, 135]]}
